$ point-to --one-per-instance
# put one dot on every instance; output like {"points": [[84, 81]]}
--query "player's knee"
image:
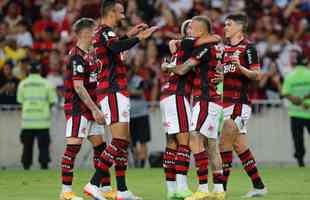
{"points": [[172, 141], [96, 140], [229, 128], [183, 139], [240, 147], [196, 143], [212, 148]]}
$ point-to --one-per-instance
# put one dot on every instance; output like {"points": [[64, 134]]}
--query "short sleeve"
{"points": [[78, 67], [200, 53], [251, 57]]}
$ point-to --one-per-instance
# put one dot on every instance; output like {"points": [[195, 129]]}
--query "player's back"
{"points": [[208, 57]]}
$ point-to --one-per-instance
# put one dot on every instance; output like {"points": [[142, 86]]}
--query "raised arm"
{"points": [[116, 45]]}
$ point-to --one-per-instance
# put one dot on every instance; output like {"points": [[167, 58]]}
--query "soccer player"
{"points": [[175, 108], [241, 66], [207, 108], [82, 114], [113, 95]]}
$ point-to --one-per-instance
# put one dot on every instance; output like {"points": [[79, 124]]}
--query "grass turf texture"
{"points": [[282, 183]]}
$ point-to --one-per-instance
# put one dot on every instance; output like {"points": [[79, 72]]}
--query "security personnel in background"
{"points": [[296, 89], [36, 96]]}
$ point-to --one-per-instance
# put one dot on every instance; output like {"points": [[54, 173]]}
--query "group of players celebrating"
{"points": [[96, 95]]}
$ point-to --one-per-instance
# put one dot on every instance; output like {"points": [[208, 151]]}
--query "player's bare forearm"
{"points": [[251, 74], [84, 96], [184, 68]]}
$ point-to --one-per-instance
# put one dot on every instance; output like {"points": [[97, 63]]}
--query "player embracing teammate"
{"points": [[202, 63], [239, 66]]}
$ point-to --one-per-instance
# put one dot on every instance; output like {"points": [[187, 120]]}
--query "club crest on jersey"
{"points": [[125, 114], [237, 53], [167, 124]]}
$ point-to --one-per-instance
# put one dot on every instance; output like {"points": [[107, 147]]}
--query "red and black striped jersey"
{"points": [[171, 83], [208, 57], [236, 85], [112, 73], [79, 68]]}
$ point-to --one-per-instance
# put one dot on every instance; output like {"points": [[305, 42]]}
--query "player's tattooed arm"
{"points": [[253, 74], [252, 60], [91, 105], [185, 67], [83, 94]]}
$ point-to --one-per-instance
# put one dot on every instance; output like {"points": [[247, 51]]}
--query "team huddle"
{"points": [[192, 106]]}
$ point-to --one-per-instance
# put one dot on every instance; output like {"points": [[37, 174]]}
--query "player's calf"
{"points": [[67, 166]]}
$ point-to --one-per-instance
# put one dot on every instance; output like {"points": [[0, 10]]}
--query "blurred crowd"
{"points": [[41, 30]]}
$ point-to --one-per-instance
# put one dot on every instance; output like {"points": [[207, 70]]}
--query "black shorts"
{"points": [[140, 130]]}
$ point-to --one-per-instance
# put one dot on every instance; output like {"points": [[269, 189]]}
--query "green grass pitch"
{"points": [[282, 183]]}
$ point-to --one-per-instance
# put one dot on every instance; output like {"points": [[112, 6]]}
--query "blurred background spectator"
{"points": [[8, 84], [41, 30], [139, 85]]}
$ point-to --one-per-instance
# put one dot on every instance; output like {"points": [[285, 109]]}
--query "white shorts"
{"points": [[176, 114], [240, 113], [115, 107], [80, 127], [206, 119]]}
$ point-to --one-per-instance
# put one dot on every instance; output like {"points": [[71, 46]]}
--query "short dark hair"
{"points": [[106, 6], [35, 67], [83, 23], [240, 18], [205, 20]]}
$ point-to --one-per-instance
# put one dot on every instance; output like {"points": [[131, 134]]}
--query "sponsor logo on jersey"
{"points": [[229, 68]]}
